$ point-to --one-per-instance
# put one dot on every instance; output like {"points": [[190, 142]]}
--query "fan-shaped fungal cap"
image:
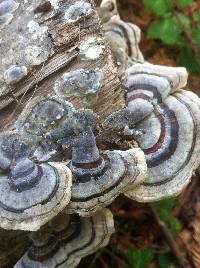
{"points": [[169, 132], [160, 81], [75, 238], [37, 192], [52, 122], [80, 83], [107, 10], [42, 114], [123, 38], [78, 10], [99, 179], [13, 148], [147, 85]]}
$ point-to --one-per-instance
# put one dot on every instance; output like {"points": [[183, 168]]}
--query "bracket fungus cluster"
{"points": [[67, 239], [164, 120], [104, 175], [37, 191], [51, 128], [58, 179]]}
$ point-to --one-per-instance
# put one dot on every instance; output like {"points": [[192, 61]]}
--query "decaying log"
{"points": [[59, 47], [40, 41]]}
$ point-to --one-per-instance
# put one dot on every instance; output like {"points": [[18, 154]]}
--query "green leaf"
{"points": [[164, 208], [164, 214], [181, 42], [164, 261], [187, 60], [167, 204], [139, 258], [196, 37], [185, 20], [197, 17], [184, 3], [175, 225], [158, 7], [167, 30]]}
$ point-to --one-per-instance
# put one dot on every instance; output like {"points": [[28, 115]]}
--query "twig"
{"points": [[96, 257], [119, 260], [171, 241], [103, 264], [189, 38]]}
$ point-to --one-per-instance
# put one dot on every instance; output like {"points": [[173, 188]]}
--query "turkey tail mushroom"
{"points": [[123, 39], [98, 178], [50, 123], [154, 81], [107, 10], [41, 115], [37, 191], [69, 239], [168, 120]]}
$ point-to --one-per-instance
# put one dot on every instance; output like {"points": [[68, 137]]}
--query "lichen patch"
{"points": [[92, 48], [77, 10], [7, 8], [36, 31], [79, 83], [15, 74], [54, 3], [24, 40]]}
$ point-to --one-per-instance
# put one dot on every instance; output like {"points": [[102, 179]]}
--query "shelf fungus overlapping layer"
{"points": [[52, 124], [122, 37], [37, 191], [68, 239], [107, 10], [50, 129], [38, 188], [98, 178], [167, 120]]}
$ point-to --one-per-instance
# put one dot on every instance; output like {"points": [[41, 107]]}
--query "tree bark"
{"points": [[64, 39]]}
